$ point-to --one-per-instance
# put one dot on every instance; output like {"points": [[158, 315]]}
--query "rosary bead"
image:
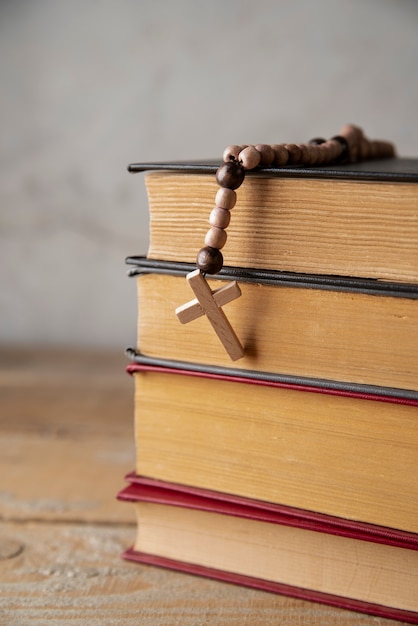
{"points": [[310, 154], [249, 157], [316, 154], [373, 150], [215, 237], [342, 148], [295, 153], [230, 175], [342, 158], [231, 153], [364, 149], [219, 217], [225, 198], [386, 149], [209, 260], [333, 148], [266, 153], [354, 136], [281, 155], [330, 150], [304, 154], [323, 154]]}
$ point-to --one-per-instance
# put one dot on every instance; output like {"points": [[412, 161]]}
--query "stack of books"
{"points": [[295, 468]]}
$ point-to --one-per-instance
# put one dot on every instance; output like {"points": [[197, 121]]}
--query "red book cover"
{"points": [[170, 495]]}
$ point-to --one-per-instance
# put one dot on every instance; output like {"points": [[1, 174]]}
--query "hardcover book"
{"points": [[358, 219], [346, 452], [355, 566], [335, 328]]}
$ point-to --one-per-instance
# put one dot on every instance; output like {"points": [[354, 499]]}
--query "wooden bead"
{"points": [[231, 153], [341, 148], [249, 157], [309, 154], [219, 217], [337, 148], [381, 149], [304, 154], [324, 153], [266, 153], [313, 154], [373, 150], [363, 149], [316, 154], [230, 175], [333, 149], [324, 156], [295, 153], [386, 149], [343, 156], [215, 237], [354, 136], [281, 155], [226, 198], [209, 260]]}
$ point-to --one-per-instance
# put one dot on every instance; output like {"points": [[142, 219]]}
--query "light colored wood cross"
{"points": [[209, 303]]}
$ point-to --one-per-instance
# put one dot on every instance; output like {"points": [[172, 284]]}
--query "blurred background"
{"points": [[90, 86]]}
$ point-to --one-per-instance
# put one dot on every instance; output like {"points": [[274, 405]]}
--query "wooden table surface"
{"points": [[66, 442]]}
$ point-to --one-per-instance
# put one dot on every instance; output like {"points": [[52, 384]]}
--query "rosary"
{"points": [[349, 146]]}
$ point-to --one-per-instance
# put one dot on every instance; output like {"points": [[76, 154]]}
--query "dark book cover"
{"points": [[394, 169], [140, 362]]}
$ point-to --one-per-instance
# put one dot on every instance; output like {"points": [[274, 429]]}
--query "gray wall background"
{"points": [[88, 86]]}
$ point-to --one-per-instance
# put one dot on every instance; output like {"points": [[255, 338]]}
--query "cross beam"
{"points": [[209, 303]]}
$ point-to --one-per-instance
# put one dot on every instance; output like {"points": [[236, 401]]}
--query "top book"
{"points": [[357, 220]]}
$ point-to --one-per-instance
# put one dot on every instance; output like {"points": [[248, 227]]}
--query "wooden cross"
{"points": [[209, 303]]}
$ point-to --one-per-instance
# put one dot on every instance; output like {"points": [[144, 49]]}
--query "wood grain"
{"points": [[66, 441], [214, 313], [66, 420]]}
